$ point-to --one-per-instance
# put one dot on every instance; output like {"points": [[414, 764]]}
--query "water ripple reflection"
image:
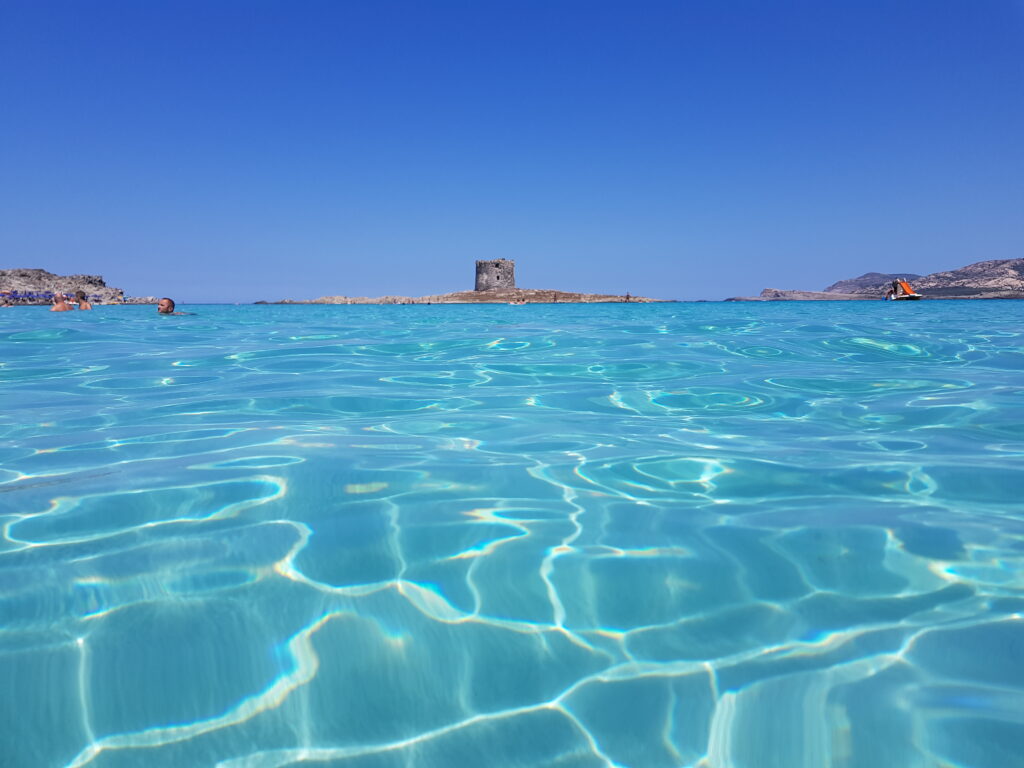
{"points": [[719, 536]]}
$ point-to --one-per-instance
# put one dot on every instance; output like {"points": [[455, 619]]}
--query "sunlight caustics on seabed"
{"points": [[715, 535]]}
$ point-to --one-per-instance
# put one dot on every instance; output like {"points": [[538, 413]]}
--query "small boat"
{"points": [[901, 291]]}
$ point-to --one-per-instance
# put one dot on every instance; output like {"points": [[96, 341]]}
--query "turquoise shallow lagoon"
{"points": [[785, 535]]}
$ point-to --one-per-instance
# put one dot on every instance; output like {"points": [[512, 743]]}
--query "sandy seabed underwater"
{"points": [[720, 535]]}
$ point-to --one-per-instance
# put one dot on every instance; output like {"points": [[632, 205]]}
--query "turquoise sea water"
{"points": [[720, 535]]}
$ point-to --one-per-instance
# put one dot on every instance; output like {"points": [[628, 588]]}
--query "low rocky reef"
{"points": [[775, 294], [995, 279], [515, 296], [37, 286]]}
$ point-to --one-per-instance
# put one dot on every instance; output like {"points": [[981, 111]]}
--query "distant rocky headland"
{"points": [[37, 286], [998, 279], [495, 284]]}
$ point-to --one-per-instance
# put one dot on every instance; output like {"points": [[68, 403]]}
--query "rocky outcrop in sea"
{"points": [[518, 295], [995, 279]]}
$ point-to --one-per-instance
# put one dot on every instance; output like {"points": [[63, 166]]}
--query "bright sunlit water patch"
{"points": [[709, 535]]}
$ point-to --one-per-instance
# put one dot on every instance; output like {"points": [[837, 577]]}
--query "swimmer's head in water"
{"points": [[165, 306]]}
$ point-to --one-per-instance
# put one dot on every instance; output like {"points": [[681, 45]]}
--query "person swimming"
{"points": [[59, 304], [83, 302], [166, 307]]}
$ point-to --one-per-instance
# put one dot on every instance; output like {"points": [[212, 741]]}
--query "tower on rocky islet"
{"points": [[496, 275]]}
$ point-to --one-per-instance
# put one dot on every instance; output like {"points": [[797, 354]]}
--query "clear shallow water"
{"points": [[717, 535]]}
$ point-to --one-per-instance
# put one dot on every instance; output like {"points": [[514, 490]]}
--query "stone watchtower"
{"points": [[497, 275]]}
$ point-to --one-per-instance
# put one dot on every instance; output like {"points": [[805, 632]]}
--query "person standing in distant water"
{"points": [[83, 303], [59, 305]]}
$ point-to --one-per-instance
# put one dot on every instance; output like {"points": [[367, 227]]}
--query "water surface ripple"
{"points": [[708, 535]]}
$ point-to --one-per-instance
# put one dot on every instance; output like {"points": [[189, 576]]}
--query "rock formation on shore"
{"points": [[870, 282], [997, 279], [1003, 278], [39, 282], [35, 286]]}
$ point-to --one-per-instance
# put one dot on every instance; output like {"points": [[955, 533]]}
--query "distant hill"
{"points": [[984, 277], [1002, 276], [869, 282], [996, 279]]}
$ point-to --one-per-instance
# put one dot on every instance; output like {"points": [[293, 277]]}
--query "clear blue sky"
{"points": [[239, 150]]}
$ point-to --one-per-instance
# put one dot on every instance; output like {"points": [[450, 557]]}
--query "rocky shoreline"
{"points": [[37, 286], [995, 279]]}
